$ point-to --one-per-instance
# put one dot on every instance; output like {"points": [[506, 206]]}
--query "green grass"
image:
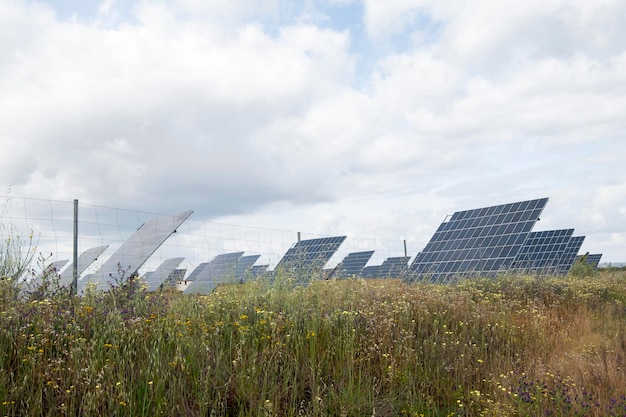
{"points": [[512, 346]]}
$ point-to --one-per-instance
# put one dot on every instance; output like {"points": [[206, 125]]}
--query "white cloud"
{"points": [[225, 108]]}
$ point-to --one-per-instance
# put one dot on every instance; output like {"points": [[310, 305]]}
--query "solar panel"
{"points": [[475, 242], [201, 287], [222, 267], [569, 255], [177, 275], [371, 271], [84, 261], [220, 270], [258, 270], [352, 264], [136, 250], [306, 258], [156, 278], [393, 267], [592, 260], [243, 267], [53, 268], [197, 270], [542, 252]]}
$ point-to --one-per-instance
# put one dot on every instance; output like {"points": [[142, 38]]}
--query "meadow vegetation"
{"points": [[510, 346]]}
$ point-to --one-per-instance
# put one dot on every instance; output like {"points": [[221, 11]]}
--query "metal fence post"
{"points": [[75, 251]]}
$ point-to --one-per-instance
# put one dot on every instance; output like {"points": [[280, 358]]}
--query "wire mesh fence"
{"points": [[50, 224]]}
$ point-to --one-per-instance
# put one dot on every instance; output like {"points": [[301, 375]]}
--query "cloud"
{"points": [[253, 109], [169, 108]]}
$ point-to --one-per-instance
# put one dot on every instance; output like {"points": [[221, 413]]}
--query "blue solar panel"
{"points": [[592, 260], [307, 258], [475, 242], [372, 271], [541, 253], [258, 270], [243, 267], [393, 267], [352, 264], [569, 255]]}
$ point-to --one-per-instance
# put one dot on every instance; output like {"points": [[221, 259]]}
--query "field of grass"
{"points": [[512, 346]]}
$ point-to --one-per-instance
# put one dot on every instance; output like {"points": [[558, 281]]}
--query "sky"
{"points": [[365, 118]]}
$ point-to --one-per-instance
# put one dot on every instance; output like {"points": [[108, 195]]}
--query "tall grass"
{"points": [[513, 346]]}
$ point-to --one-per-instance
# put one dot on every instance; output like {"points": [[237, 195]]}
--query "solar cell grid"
{"points": [[244, 266], [592, 260], [569, 254], [542, 252], [352, 264], [309, 256], [221, 268], [164, 270]]}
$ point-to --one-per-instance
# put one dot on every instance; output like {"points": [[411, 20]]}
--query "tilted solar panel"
{"points": [[220, 270], [306, 258], [352, 264], [258, 270], [569, 255], [197, 270], [476, 242], [136, 250], [244, 266], [156, 278], [592, 259], [394, 267], [542, 252], [84, 261], [371, 271], [50, 273]]}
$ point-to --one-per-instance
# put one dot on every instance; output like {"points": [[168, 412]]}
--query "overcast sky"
{"points": [[371, 118]]}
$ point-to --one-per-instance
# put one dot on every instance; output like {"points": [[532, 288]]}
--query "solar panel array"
{"points": [[541, 253], [482, 241]]}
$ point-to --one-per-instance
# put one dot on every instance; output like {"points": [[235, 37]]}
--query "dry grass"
{"points": [[513, 346]]}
